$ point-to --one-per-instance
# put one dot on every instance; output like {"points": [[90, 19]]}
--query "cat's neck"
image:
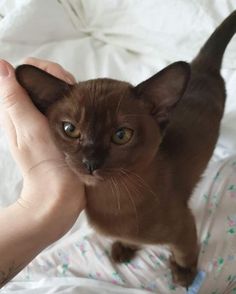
{"points": [[128, 199], [151, 181]]}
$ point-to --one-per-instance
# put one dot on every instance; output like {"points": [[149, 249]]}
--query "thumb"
{"points": [[14, 99]]}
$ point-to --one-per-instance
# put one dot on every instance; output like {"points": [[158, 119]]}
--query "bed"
{"points": [[128, 40]]}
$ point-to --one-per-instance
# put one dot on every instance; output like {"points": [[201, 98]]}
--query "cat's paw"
{"points": [[122, 253], [182, 276]]}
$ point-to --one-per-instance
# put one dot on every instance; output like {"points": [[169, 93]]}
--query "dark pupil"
{"points": [[69, 128], [120, 134]]}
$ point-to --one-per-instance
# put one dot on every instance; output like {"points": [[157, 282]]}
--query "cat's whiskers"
{"points": [[117, 193], [121, 173], [132, 203], [137, 190], [143, 182], [133, 184], [112, 171], [139, 179], [129, 176], [111, 184]]}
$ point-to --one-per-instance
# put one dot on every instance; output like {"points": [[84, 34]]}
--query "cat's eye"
{"points": [[122, 136], [70, 130]]}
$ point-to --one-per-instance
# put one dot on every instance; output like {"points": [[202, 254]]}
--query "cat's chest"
{"points": [[117, 211], [113, 224]]}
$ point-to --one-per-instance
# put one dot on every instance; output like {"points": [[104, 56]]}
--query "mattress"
{"points": [[128, 40]]}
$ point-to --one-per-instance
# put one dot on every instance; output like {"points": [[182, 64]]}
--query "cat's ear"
{"points": [[43, 88], [163, 90]]}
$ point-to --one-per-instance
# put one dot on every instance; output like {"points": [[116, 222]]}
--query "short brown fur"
{"points": [[139, 193]]}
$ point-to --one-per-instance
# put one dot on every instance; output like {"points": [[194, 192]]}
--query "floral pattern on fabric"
{"points": [[214, 206]]}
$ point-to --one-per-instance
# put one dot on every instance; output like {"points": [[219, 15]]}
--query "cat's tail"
{"points": [[211, 54]]}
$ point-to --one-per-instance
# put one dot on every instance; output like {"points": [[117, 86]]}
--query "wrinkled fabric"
{"points": [[82, 258], [128, 40]]}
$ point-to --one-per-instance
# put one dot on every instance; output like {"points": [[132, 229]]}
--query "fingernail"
{"points": [[4, 71]]}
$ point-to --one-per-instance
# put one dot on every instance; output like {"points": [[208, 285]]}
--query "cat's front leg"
{"points": [[183, 262], [122, 252]]}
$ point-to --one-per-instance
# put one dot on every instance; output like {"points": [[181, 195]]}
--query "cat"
{"points": [[140, 150]]}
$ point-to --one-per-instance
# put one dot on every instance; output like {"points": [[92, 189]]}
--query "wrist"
{"points": [[22, 226], [24, 234], [51, 219]]}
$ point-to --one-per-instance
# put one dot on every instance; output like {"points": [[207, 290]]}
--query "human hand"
{"points": [[51, 191]]}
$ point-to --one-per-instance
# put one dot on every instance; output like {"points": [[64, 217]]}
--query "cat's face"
{"points": [[106, 127], [104, 130]]}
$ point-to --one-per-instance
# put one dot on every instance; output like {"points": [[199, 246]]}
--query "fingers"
{"points": [[21, 119], [26, 128], [10, 131], [14, 100], [53, 68]]}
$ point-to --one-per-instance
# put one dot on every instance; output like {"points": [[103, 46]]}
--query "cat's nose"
{"points": [[91, 165]]}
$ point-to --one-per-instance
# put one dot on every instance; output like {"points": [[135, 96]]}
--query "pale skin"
{"points": [[52, 196]]}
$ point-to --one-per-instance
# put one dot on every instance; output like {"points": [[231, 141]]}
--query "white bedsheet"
{"points": [[123, 39]]}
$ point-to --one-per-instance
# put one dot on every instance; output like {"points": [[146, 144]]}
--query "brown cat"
{"points": [[140, 150]]}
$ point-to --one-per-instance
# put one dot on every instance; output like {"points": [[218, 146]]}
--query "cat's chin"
{"points": [[90, 180], [87, 179]]}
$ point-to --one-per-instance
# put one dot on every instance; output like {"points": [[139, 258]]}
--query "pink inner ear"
{"points": [[165, 88], [162, 116], [43, 88]]}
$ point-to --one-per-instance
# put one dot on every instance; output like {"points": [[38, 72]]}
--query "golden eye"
{"points": [[70, 130], [122, 136]]}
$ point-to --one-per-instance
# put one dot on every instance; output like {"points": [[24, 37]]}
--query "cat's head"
{"points": [[107, 127]]}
